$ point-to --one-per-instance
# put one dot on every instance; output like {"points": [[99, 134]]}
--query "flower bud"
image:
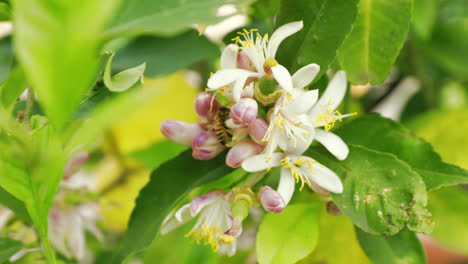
{"points": [[243, 61], [206, 105], [271, 200], [75, 163], [206, 146], [240, 152], [257, 130], [244, 111], [180, 132]]}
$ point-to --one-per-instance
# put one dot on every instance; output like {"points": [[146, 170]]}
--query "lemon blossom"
{"points": [[213, 225], [261, 51]]}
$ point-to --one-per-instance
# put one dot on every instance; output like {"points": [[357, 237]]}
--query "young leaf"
{"points": [[17, 206], [385, 135], [326, 25], [403, 247], [57, 43], [168, 184], [166, 55], [165, 17], [8, 248], [124, 79], [12, 88], [289, 236], [382, 194], [368, 53]]}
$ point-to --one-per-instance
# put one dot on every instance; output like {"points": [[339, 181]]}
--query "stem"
{"points": [[48, 250], [29, 107]]}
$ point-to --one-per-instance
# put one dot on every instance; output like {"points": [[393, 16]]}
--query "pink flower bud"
{"points": [[75, 163], [271, 200], [240, 152], [206, 105], [180, 132], [257, 130], [243, 61], [206, 146], [244, 111]]}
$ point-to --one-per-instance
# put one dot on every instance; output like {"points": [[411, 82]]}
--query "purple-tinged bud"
{"points": [[242, 151], [206, 146], [244, 111], [206, 105], [257, 130], [333, 209], [243, 62], [75, 163], [271, 200], [180, 132]]}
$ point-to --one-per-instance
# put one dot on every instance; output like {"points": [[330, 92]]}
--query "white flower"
{"points": [[261, 51], [289, 125], [213, 224]]}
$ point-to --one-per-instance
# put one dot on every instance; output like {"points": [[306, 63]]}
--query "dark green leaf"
{"points": [[168, 184], [5, 12], [124, 79], [372, 47], [382, 194], [12, 88], [15, 205], [165, 17], [381, 134], [6, 57], [424, 17], [8, 248], [289, 236], [166, 55], [403, 247], [158, 153], [326, 25], [57, 43]]}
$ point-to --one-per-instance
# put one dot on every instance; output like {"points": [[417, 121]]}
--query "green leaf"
{"points": [[403, 247], [17, 206], [424, 17], [57, 43], [448, 205], [8, 248], [5, 12], [158, 153], [372, 47], [326, 25], [124, 79], [31, 168], [165, 17], [382, 194], [385, 135], [289, 236], [166, 55], [168, 185], [6, 57], [12, 88]]}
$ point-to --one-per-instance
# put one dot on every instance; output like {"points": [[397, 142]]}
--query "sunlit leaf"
{"points": [[289, 236], [12, 88], [372, 47], [124, 79]]}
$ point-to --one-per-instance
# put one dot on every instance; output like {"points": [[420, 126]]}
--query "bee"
{"points": [[223, 133]]}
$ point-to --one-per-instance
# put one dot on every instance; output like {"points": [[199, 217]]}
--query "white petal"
{"points": [[302, 145], [282, 76], [77, 242], [280, 34], [305, 75], [303, 102], [184, 213], [174, 220], [262, 162], [333, 143], [332, 96], [229, 57], [286, 185], [325, 178], [228, 76]]}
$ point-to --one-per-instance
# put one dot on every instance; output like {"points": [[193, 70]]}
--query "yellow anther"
{"points": [[226, 239], [270, 62]]}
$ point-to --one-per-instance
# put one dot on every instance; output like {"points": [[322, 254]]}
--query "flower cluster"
{"points": [[267, 118]]}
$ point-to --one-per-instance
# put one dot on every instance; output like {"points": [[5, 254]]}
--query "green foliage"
{"points": [[31, 169], [123, 80], [372, 47], [57, 43], [165, 17], [448, 205], [166, 55], [168, 184], [12, 88], [385, 135], [8, 247], [6, 57], [326, 25], [157, 153], [294, 237], [403, 247], [17, 206]]}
